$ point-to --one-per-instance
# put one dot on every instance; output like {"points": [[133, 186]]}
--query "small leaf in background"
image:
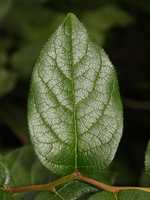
{"points": [[5, 195], [33, 22], [133, 194], [4, 172], [130, 194], [25, 169], [48, 195], [7, 81], [74, 107], [73, 189], [23, 65], [105, 195], [147, 160], [101, 20]]}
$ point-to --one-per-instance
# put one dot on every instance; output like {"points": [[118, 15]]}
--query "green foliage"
{"points": [[27, 32], [101, 20], [25, 169], [133, 194], [122, 195], [29, 171], [74, 101], [103, 196]]}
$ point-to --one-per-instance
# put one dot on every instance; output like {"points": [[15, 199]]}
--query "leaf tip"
{"points": [[71, 16]]}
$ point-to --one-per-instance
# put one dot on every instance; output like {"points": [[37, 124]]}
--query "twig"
{"points": [[75, 175]]}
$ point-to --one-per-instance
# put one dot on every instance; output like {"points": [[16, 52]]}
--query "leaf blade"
{"points": [[133, 194], [25, 169], [73, 119]]}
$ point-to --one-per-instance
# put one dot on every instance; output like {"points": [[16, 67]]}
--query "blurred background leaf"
{"points": [[7, 81], [100, 21], [5, 6]]}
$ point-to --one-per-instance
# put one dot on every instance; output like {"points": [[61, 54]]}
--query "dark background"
{"points": [[122, 28]]}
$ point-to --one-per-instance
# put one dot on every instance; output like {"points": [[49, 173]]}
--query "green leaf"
{"points": [[133, 194], [105, 195], [4, 172], [147, 160], [74, 108], [130, 194], [5, 195], [25, 169], [70, 190]]}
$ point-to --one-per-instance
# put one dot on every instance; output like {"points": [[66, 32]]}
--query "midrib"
{"points": [[74, 101]]}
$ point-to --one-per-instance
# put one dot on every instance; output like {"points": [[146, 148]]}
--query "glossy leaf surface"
{"points": [[74, 107]]}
